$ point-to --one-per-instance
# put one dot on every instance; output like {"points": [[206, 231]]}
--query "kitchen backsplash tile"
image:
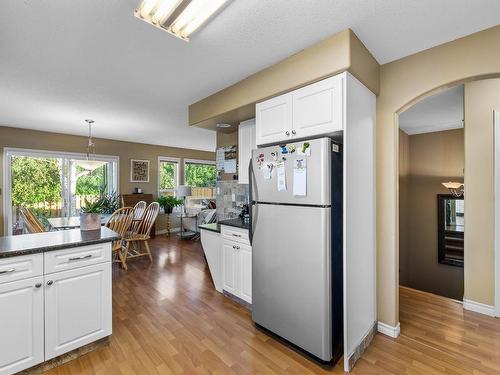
{"points": [[229, 197]]}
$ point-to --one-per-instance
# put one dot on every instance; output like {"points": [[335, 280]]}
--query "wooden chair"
{"points": [[32, 223], [120, 222], [139, 209], [142, 234]]}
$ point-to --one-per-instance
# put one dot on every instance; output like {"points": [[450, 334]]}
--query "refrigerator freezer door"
{"points": [[291, 275], [265, 189]]}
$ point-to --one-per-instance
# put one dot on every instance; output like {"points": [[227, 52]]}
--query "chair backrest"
{"points": [[139, 209], [148, 219], [32, 223], [121, 220]]}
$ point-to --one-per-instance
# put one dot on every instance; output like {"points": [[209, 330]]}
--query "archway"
{"points": [[403, 83]]}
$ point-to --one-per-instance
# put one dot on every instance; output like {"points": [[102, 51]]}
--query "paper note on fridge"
{"points": [[300, 177], [281, 176], [267, 171]]}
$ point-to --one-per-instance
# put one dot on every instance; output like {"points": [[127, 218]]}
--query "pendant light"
{"points": [[90, 163]]}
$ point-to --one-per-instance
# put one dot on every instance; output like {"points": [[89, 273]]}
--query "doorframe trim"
{"points": [[496, 197]]}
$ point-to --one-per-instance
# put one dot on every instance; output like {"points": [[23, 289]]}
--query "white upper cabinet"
{"points": [[311, 111], [246, 143], [274, 119], [317, 108]]}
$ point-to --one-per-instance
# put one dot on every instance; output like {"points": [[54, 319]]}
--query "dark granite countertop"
{"points": [[213, 227], [49, 241], [236, 222]]}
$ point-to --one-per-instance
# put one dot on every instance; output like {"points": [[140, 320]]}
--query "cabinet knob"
{"points": [[287, 133], [50, 282], [38, 285], [294, 132]]}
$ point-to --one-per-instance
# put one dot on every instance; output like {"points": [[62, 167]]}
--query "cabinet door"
{"points": [[274, 120], [77, 308], [229, 268], [246, 143], [21, 325], [318, 108], [245, 272]]}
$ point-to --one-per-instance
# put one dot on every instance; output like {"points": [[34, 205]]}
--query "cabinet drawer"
{"points": [[77, 257], [20, 267], [235, 234]]}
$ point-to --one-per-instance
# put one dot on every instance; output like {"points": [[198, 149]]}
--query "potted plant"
{"points": [[168, 202], [90, 215]]}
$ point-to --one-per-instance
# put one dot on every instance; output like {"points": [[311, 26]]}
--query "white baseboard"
{"points": [[478, 307], [388, 330]]}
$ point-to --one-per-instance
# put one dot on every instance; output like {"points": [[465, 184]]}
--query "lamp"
{"points": [[184, 191], [455, 188], [90, 164]]}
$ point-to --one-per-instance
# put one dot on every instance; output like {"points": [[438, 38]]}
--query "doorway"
{"points": [[431, 210]]}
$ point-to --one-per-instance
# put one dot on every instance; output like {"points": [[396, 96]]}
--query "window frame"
{"points": [[177, 162], [196, 161]]}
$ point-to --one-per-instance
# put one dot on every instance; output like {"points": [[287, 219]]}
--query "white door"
{"points": [[77, 308], [246, 143], [245, 272], [229, 267], [21, 325], [318, 108], [274, 120]]}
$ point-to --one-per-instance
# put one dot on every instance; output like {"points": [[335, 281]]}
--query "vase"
{"points": [[168, 209], [90, 221]]}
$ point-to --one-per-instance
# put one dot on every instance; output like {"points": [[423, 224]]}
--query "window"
{"points": [[201, 175], [54, 184], [168, 175]]}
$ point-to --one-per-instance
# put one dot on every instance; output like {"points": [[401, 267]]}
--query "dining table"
{"points": [[72, 222]]}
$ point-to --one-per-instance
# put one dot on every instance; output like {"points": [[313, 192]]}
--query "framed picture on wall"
{"points": [[139, 170]]}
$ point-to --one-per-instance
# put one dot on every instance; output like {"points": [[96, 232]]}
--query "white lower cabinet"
{"points": [[77, 308], [245, 272], [229, 267], [51, 313], [237, 264], [21, 325]]}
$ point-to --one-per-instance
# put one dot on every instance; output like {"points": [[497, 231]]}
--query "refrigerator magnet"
{"points": [[305, 149], [284, 149], [274, 155], [291, 149]]}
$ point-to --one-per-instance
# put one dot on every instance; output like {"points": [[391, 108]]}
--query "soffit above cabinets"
{"points": [[338, 53]]}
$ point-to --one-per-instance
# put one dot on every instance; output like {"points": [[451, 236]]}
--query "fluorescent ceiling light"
{"points": [[178, 17]]}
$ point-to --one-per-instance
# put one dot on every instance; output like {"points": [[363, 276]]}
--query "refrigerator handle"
{"points": [[250, 202]]}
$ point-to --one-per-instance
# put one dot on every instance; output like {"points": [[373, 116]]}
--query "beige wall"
{"points": [[427, 160], [481, 99], [340, 52], [30, 139], [402, 83]]}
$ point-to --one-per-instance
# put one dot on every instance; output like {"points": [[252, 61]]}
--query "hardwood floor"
{"points": [[168, 319]]}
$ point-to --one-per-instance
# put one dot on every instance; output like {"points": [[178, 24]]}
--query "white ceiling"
{"points": [[442, 111], [63, 61]]}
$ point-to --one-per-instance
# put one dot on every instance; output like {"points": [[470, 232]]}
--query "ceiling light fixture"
{"points": [[178, 17], [223, 125], [89, 164]]}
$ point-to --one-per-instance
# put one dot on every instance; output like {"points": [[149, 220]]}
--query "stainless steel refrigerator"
{"points": [[296, 235]]}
